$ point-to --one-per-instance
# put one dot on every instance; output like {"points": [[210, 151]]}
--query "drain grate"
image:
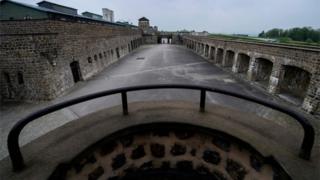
{"points": [[140, 58]]}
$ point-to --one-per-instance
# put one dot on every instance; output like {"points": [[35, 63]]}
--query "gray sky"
{"points": [[217, 16]]}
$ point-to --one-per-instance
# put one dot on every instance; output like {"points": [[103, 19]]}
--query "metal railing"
{"points": [[13, 137]]}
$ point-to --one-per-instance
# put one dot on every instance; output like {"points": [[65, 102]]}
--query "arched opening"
{"points": [[264, 70], [294, 84], [219, 56], [243, 61], [212, 53], [207, 51], [75, 69], [229, 58]]}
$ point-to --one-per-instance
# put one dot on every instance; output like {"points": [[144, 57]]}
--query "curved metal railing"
{"points": [[13, 137]]}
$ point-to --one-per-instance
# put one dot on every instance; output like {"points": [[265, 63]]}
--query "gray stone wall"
{"points": [[201, 154], [35, 55], [262, 58]]}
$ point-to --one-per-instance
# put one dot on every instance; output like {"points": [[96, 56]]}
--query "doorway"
{"points": [[75, 69]]}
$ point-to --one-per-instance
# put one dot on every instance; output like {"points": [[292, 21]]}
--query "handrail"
{"points": [[13, 137]]}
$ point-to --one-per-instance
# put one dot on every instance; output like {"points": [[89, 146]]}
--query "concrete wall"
{"points": [[42, 50], [284, 62]]}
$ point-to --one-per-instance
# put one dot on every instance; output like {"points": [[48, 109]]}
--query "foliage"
{"points": [[305, 34]]}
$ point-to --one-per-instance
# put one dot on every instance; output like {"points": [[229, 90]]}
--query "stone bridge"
{"points": [[292, 72]]}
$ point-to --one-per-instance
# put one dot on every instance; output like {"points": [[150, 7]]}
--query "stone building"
{"points": [[44, 55]]}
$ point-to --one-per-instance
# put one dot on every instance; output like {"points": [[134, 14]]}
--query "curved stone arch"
{"points": [[242, 62], [229, 57], [243, 52], [295, 81], [290, 62], [267, 57]]}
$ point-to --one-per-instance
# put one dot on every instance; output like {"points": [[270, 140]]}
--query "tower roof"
{"points": [[143, 19]]}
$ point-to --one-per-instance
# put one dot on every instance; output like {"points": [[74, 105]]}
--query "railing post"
{"points": [[307, 143], [14, 150], [202, 100], [124, 103]]}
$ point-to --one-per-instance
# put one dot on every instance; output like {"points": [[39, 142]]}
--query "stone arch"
{"points": [[219, 58], [243, 63], [264, 69], [230, 54], [294, 83]]}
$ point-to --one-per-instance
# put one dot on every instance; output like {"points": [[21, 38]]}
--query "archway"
{"points": [[229, 58], [264, 70], [219, 56], [243, 61], [294, 84]]}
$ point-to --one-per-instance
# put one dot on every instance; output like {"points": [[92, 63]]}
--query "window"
{"points": [[20, 78], [95, 57], [104, 54], [100, 55]]}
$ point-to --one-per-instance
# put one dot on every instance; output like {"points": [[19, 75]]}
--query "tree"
{"points": [[262, 34]]}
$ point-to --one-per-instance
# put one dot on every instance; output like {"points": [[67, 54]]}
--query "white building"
{"points": [[108, 14]]}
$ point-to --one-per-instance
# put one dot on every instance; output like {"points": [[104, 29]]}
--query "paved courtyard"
{"points": [[150, 64]]}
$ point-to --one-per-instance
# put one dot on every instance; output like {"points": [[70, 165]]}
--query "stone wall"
{"points": [[170, 153], [36, 55], [280, 59]]}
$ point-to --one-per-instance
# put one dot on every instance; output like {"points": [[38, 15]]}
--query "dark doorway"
{"points": [[295, 82], [118, 53], [220, 56], [244, 61], [159, 40], [75, 69], [229, 58]]}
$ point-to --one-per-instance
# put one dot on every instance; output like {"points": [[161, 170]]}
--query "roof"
{"points": [[46, 10], [143, 19], [87, 12], [47, 2]]}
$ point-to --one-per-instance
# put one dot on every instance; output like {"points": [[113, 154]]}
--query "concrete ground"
{"points": [[150, 64]]}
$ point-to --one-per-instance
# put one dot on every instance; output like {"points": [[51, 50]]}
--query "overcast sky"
{"points": [[216, 16]]}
